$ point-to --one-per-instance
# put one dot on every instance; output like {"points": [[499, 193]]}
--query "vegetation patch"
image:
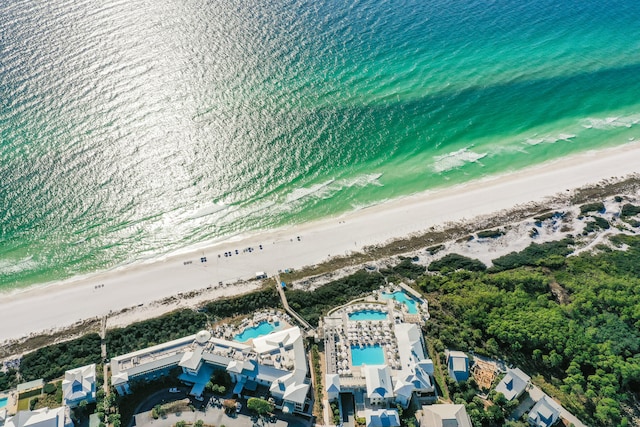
{"points": [[592, 207], [585, 352], [434, 249], [406, 268], [8, 379], [243, 304], [533, 255], [453, 261], [598, 223], [153, 331], [629, 210], [490, 234], [312, 305], [52, 361]]}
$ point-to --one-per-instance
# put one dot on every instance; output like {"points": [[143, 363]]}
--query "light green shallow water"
{"points": [[132, 129]]}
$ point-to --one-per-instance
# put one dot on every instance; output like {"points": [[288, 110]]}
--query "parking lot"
{"points": [[212, 413]]}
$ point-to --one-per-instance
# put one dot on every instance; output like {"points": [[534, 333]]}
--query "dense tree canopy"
{"points": [[453, 261], [243, 304], [154, 331], [587, 344], [52, 361]]}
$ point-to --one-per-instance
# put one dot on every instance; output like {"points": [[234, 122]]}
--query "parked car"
{"points": [[238, 407], [174, 390]]}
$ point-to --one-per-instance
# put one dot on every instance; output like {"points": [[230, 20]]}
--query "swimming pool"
{"points": [[368, 315], [3, 402], [372, 355], [262, 328], [400, 296]]}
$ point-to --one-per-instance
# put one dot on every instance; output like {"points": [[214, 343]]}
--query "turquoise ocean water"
{"points": [[130, 129]]}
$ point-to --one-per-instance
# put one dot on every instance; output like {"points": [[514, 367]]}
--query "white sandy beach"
{"points": [[60, 305]]}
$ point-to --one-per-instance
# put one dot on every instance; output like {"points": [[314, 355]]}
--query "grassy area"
{"points": [[317, 381], [441, 381], [23, 404]]}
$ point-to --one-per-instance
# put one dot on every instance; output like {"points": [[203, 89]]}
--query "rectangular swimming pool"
{"points": [[368, 315], [3, 402], [371, 355]]}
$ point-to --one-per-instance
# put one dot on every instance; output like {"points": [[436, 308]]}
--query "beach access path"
{"points": [[60, 305]]}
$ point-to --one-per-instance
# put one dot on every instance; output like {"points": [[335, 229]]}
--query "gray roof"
{"points": [[513, 384], [445, 416], [544, 413]]}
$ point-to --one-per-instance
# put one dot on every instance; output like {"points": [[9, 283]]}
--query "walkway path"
{"points": [[288, 309], [103, 350]]}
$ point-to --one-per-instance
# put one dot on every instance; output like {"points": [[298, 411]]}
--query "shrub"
{"points": [[49, 388], [592, 207], [453, 261], [532, 254], [243, 304], [490, 234], [406, 268], [629, 210]]}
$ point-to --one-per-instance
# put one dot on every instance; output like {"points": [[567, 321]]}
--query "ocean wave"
{"points": [[8, 267], [551, 139], [361, 181], [208, 210], [317, 190], [611, 122], [456, 159]]}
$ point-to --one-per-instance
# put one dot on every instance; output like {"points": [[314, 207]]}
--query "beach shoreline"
{"points": [[61, 304]]}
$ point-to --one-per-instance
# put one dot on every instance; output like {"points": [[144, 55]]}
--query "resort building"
{"points": [[276, 361], [44, 417], [376, 359], [513, 384], [544, 413], [79, 384], [447, 415], [458, 365]]}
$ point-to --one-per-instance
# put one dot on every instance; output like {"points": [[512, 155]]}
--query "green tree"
{"points": [[259, 406]]}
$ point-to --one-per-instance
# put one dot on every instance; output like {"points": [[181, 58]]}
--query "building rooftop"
{"points": [[382, 418], [378, 380], [446, 415], [513, 384], [44, 417], [79, 384]]}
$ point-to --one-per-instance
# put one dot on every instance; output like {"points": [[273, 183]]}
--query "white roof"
{"points": [[44, 417], [513, 384], [445, 416], [382, 418], [378, 380], [414, 379], [333, 383], [191, 359], [277, 340], [79, 383], [410, 344]]}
